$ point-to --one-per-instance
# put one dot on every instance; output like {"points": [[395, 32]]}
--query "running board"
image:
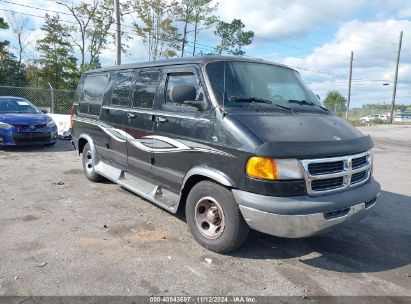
{"points": [[153, 193]]}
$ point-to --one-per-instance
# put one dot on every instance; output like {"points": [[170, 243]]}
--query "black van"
{"points": [[238, 143]]}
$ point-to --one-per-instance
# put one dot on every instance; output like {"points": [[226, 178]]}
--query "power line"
{"points": [[204, 46], [36, 8], [294, 20], [35, 16]]}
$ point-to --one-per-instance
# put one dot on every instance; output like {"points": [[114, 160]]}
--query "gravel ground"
{"points": [[63, 235]]}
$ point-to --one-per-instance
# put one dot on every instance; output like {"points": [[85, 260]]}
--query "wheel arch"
{"points": [[199, 174], [86, 139]]}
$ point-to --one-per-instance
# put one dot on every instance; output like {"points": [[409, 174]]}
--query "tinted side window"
{"points": [[91, 91], [94, 87], [181, 79], [145, 89], [121, 90]]}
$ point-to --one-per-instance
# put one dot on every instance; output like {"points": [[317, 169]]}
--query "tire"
{"points": [[88, 165], [202, 202]]}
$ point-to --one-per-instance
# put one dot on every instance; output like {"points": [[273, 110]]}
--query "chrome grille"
{"points": [[325, 175]]}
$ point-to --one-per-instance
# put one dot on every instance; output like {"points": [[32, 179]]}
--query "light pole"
{"points": [[394, 90], [118, 31]]}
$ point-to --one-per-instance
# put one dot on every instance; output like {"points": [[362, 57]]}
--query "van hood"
{"points": [[305, 136], [24, 119]]}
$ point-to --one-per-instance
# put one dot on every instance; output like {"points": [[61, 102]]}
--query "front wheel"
{"points": [[214, 218], [88, 165]]}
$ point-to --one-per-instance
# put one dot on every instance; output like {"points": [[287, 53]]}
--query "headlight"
{"points": [[274, 169], [51, 124], [371, 160], [4, 125]]}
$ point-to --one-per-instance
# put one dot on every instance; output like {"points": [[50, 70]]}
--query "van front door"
{"points": [[140, 118], [182, 132]]}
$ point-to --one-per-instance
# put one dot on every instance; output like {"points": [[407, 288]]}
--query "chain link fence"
{"points": [[52, 100]]}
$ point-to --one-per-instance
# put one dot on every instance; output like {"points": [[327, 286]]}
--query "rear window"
{"points": [[94, 87], [93, 92]]}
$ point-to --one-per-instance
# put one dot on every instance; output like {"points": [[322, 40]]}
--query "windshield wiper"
{"points": [[249, 99], [253, 99], [308, 103]]}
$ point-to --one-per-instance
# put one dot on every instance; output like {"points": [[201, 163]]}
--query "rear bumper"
{"points": [[302, 216]]}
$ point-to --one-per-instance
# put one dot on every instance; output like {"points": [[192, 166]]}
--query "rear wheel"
{"points": [[214, 218], [88, 165]]}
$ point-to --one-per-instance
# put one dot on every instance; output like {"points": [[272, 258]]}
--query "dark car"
{"points": [[21, 123], [236, 142]]}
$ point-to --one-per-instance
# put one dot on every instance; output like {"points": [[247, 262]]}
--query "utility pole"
{"points": [[394, 90], [349, 87], [118, 31]]}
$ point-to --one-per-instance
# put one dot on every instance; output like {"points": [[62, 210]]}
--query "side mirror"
{"points": [[44, 111], [186, 94], [115, 98], [201, 105], [182, 92]]}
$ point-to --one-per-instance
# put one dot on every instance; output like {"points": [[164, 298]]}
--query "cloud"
{"points": [[374, 45], [405, 12], [284, 18]]}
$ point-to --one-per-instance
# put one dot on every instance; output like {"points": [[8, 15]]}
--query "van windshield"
{"points": [[239, 84]]}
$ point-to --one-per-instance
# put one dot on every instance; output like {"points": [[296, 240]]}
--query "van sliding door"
{"points": [[114, 115]]}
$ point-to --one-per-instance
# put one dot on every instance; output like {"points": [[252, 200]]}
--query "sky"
{"points": [[315, 37]]}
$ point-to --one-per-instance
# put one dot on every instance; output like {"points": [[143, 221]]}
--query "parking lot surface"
{"points": [[61, 234]]}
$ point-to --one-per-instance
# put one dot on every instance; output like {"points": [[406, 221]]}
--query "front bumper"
{"points": [[14, 137], [302, 216]]}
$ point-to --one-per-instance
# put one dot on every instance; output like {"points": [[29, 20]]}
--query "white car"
{"points": [[373, 117]]}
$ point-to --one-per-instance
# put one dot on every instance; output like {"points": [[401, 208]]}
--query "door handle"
{"points": [[131, 115], [161, 119]]}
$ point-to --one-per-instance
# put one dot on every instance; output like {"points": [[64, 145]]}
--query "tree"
{"points": [[233, 37], [91, 29], [157, 27], [202, 15], [20, 27], [98, 34], [4, 43], [58, 65], [195, 13], [335, 102], [11, 71], [185, 14]]}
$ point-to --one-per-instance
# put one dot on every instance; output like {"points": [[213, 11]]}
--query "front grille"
{"points": [[327, 183], [29, 127], [359, 162], [327, 175], [325, 168], [26, 138], [358, 177]]}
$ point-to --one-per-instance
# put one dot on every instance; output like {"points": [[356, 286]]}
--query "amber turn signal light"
{"points": [[262, 167]]}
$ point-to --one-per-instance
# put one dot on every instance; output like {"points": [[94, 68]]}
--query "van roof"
{"points": [[183, 60]]}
